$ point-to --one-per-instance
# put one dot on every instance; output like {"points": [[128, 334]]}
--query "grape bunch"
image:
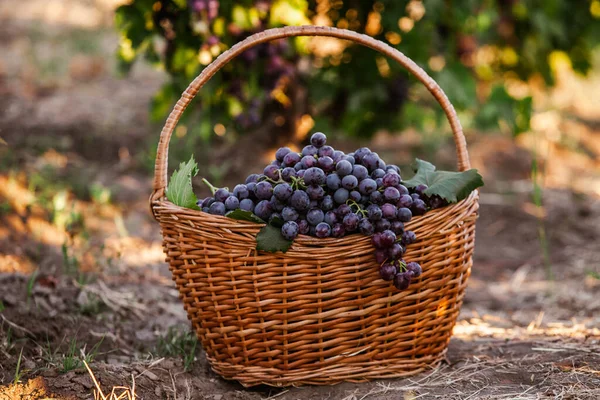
{"points": [[324, 192]]}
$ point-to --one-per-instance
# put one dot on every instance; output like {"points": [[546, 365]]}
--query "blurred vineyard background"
{"points": [[86, 84]]}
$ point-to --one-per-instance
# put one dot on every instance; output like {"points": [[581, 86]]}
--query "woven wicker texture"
{"points": [[319, 313]]}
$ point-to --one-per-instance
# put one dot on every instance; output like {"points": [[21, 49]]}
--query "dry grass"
{"points": [[117, 392]]}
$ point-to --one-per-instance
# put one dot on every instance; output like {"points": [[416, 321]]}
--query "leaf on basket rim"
{"points": [[180, 191], [270, 239], [244, 215], [452, 186]]}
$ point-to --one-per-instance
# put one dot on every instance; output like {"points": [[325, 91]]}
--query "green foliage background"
{"points": [[471, 47]]}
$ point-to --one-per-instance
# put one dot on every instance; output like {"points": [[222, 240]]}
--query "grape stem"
{"points": [[212, 188], [353, 203]]}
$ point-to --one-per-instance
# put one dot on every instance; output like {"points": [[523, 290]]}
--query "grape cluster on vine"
{"points": [[324, 192]]}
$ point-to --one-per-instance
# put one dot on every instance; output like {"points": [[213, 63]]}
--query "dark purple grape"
{"points": [[405, 201], [376, 198], [378, 173], [391, 194], [247, 205], [338, 231], [276, 163], [337, 156], [355, 196], [414, 268], [276, 204], [343, 168], [315, 216], [290, 230], [323, 230], [331, 218], [314, 176], [349, 182], [221, 195], [376, 240], [299, 200], [408, 237], [310, 150], [364, 199], [388, 271], [291, 159], [232, 203], [327, 203], [366, 227], [205, 202], [343, 210], [318, 139], [315, 192], [388, 211], [300, 173], [397, 227], [326, 151], [395, 252], [367, 186], [289, 214], [251, 188], [263, 210], [360, 172], [283, 191], [374, 212], [419, 207], [205, 209], [325, 163], [263, 190], [303, 227], [382, 225], [393, 168], [380, 255], [298, 166], [360, 153], [420, 189], [437, 202], [371, 161], [402, 280], [391, 179], [281, 152], [388, 238], [241, 191], [349, 158], [379, 182], [308, 162], [341, 196], [404, 214], [351, 222], [333, 181], [415, 196], [287, 173], [217, 208], [252, 178]]}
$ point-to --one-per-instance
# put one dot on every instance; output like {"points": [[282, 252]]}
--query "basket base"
{"points": [[354, 372]]}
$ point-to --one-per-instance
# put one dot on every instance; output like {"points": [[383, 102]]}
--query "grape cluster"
{"points": [[324, 192]]}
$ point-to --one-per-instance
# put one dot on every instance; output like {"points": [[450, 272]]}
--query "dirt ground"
{"points": [[82, 274]]}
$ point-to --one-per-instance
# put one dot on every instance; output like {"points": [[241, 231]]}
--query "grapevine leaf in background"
{"points": [[270, 239], [180, 191], [452, 186], [244, 215]]}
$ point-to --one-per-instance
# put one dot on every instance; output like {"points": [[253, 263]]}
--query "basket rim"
{"points": [[417, 221]]}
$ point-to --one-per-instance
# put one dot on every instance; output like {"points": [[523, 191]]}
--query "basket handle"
{"points": [[160, 168]]}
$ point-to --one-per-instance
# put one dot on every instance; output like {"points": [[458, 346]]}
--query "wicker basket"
{"points": [[319, 313]]}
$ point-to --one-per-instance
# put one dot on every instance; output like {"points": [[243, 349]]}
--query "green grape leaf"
{"points": [[244, 215], [277, 221], [270, 239], [452, 186], [179, 190]]}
